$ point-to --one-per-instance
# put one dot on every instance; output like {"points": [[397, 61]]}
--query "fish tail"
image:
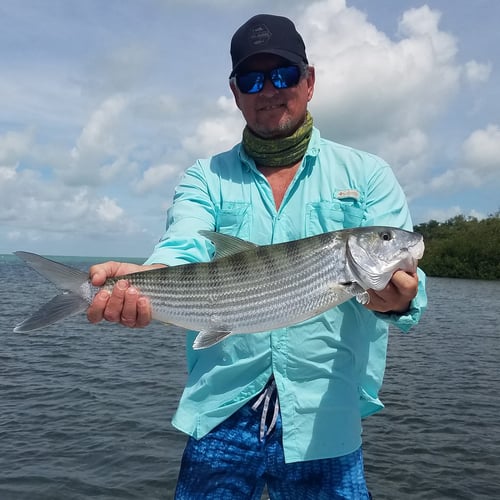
{"points": [[60, 307], [71, 301]]}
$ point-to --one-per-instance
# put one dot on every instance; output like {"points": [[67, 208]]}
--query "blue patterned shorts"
{"points": [[234, 462]]}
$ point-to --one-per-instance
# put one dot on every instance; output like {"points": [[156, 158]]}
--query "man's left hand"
{"points": [[397, 295]]}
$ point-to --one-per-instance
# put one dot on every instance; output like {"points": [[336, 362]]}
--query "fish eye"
{"points": [[386, 235]]}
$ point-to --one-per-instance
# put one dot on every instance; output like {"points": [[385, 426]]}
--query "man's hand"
{"points": [[397, 295], [125, 304]]}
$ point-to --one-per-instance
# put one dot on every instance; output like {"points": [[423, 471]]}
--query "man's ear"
{"points": [[236, 93], [311, 78]]}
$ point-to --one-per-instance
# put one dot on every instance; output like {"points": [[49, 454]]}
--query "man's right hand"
{"points": [[125, 304]]}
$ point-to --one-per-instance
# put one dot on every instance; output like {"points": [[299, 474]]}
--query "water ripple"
{"points": [[85, 409]]}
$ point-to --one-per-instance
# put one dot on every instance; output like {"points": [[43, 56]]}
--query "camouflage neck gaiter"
{"points": [[279, 152]]}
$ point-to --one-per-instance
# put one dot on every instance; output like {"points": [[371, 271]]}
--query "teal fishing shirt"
{"points": [[329, 369]]}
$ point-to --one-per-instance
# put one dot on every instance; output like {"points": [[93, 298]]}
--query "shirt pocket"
{"points": [[234, 219], [326, 216]]}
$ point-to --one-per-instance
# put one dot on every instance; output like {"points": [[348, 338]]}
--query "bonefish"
{"points": [[247, 288]]}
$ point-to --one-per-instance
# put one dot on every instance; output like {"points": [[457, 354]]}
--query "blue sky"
{"points": [[105, 103]]}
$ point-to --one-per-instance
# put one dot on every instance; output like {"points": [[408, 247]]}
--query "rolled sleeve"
{"points": [[192, 210]]}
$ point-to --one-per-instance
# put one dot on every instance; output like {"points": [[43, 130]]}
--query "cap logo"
{"points": [[260, 35]]}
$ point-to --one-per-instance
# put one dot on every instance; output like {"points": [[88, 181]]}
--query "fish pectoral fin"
{"points": [[61, 306], [208, 338], [358, 291], [342, 292]]}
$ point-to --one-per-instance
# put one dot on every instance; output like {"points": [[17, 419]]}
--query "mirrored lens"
{"points": [[285, 77], [282, 78], [250, 83]]}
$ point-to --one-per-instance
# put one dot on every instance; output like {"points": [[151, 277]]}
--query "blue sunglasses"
{"points": [[282, 78]]}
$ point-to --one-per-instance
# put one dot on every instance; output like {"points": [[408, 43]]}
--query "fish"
{"points": [[247, 288]]}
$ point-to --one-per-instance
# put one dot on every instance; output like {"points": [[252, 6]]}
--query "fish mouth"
{"points": [[409, 257], [417, 250]]}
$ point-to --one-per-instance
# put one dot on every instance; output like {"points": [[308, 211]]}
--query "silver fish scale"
{"points": [[251, 291]]}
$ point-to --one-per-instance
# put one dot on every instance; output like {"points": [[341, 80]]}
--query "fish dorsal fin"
{"points": [[226, 245], [208, 338]]}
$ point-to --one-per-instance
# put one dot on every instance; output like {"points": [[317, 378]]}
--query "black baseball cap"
{"points": [[267, 34]]}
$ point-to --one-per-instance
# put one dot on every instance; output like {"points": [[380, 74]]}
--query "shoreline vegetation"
{"points": [[462, 247]]}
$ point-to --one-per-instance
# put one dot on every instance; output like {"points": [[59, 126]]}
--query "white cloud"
{"points": [[218, 129], [13, 145], [444, 214], [108, 210], [385, 95], [97, 142], [216, 133], [97, 133], [7, 173], [479, 163], [123, 136], [481, 151], [39, 206], [476, 72], [368, 83], [408, 155], [14, 235], [452, 178], [156, 177]]}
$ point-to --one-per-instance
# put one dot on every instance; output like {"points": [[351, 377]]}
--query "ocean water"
{"points": [[85, 409]]}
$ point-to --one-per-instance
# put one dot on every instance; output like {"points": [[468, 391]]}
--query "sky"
{"points": [[104, 104]]}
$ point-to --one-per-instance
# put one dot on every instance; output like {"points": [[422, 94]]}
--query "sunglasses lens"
{"points": [[250, 83], [282, 78], [287, 76]]}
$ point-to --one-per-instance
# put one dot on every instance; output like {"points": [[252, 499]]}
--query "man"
{"points": [[281, 408]]}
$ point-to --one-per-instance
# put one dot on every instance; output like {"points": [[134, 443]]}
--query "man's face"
{"points": [[272, 112]]}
